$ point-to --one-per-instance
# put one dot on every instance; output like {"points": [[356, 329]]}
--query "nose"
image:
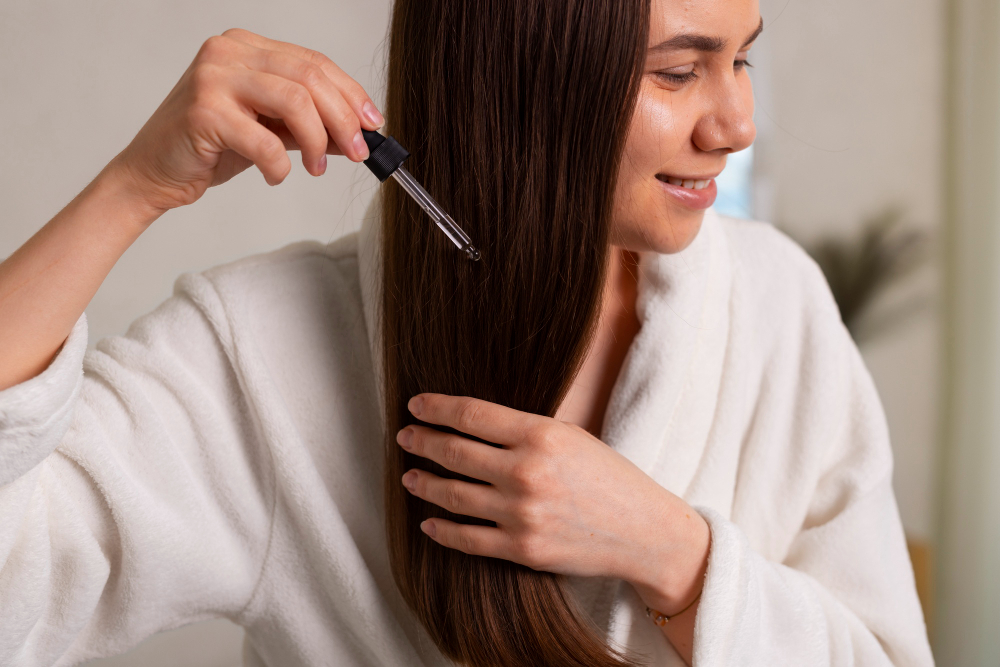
{"points": [[727, 124]]}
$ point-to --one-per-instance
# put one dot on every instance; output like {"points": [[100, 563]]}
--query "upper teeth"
{"points": [[689, 184]]}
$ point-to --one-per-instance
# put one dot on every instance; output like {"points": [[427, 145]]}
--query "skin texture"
{"points": [[247, 100]]}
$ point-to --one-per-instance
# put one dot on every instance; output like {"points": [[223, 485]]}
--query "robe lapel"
{"points": [[661, 406], [664, 402]]}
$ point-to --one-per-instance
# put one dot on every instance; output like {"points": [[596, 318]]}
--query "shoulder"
{"points": [[301, 258], [772, 264], [303, 289], [778, 284], [823, 413], [291, 275], [788, 327]]}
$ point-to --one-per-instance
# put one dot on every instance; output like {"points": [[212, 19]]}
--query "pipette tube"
{"points": [[437, 214], [386, 157]]}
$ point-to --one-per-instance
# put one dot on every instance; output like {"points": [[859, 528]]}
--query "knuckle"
{"points": [[468, 413], [453, 498], [310, 75], [352, 90], [517, 509], [527, 515], [531, 515], [204, 78], [525, 476], [213, 48], [544, 437], [317, 58], [531, 550], [270, 148], [466, 543], [236, 33], [452, 452], [298, 98], [347, 120]]}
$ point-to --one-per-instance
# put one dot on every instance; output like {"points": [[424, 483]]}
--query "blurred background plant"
{"points": [[862, 266]]}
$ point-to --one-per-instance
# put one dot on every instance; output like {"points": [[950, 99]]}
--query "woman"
{"points": [[631, 410]]}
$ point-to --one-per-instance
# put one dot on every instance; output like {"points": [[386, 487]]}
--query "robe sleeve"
{"points": [[135, 491], [844, 594]]}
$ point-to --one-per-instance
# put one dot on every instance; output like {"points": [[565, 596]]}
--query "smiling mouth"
{"points": [[687, 183]]}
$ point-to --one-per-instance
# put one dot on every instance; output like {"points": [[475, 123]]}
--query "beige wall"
{"points": [[849, 118]]}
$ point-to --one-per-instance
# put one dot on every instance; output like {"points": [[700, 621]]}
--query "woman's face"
{"points": [[695, 107]]}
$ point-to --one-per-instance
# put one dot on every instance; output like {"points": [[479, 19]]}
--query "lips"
{"points": [[688, 183], [693, 193]]}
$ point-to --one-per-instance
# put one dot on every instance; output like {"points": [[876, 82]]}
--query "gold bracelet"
{"points": [[662, 619]]}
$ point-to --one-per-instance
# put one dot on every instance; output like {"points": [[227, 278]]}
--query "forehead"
{"points": [[727, 19]]}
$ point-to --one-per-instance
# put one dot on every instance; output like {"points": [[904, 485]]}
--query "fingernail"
{"points": [[409, 479], [427, 527], [322, 165], [372, 114], [360, 146], [415, 405], [405, 437]]}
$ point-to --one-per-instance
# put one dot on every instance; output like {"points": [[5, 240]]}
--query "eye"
{"points": [[741, 61], [678, 75]]}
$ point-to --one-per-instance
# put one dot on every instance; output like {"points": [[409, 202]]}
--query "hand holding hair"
{"points": [[562, 500]]}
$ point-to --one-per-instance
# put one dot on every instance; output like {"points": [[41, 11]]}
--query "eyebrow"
{"points": [[702, 42]]}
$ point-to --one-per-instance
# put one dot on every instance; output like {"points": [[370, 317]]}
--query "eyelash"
{"points": [[680, 79]]}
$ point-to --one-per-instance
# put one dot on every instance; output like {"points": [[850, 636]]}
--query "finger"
{"points": [[352, 91], [339, 118], [470, 539], [489, 421], [458, 454], [253, 141], [272, 95], [278, 126], [466, 498]]}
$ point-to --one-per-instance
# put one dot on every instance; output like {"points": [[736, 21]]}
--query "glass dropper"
{"points": [[385, 160]]}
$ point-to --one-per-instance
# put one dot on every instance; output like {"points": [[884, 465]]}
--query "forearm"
{"points": [[48, 282]]}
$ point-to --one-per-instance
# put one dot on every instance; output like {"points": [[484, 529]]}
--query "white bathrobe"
{"points": [[224, 458]]}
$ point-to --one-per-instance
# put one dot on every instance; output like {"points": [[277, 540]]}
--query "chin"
{"points": [[664, 234]]}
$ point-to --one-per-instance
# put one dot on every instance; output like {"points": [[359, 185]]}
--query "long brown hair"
{"points": [[515, 113]]}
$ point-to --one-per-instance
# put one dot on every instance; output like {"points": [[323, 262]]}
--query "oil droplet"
{"points": [[472, 252]]}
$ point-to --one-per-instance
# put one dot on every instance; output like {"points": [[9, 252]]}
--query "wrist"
{"points": [[117, 187], [672, 580]]}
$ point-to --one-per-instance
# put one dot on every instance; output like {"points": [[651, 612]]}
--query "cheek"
{"points": [[653, 141], [643, 219], [746, 90], [656, 134]]}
